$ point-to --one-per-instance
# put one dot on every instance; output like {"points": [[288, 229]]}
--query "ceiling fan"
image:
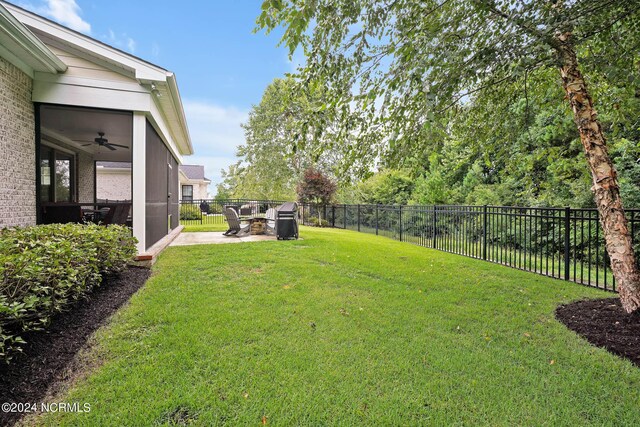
{"points": [[104, 142]]}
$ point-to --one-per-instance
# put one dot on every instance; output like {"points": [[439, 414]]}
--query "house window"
{"points": [[57, 177], [187, 192]]}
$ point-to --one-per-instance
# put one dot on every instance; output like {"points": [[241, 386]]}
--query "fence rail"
{"points": [[210, 211], [564, 243]]}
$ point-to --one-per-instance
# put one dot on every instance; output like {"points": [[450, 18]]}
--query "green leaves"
{"points": [[44, 268]]}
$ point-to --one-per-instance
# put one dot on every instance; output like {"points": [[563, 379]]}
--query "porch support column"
{"points": [[138, 170]]}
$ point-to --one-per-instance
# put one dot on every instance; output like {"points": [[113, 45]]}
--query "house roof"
{"points": [[157, 80], [22, 48], [194, 172]]}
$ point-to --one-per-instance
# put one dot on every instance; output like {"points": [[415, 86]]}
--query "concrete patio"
{"points": [[215, 238]]}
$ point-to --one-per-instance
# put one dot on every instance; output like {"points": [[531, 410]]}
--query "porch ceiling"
{"points": [[78, 127]]}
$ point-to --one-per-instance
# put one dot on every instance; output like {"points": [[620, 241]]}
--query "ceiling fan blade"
{"points": [[118, 145], [109, 146]]}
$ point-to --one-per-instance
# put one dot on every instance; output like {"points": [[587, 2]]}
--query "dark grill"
{"points": [[286, 222]]}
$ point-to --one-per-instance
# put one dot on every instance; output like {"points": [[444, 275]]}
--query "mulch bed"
{"points": [[604, 324], [48, 353]]}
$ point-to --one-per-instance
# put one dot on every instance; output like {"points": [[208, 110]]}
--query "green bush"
{"points": [[43, 269], [316, 222], [189, 212]]}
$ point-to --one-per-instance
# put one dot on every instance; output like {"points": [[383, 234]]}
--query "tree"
{"points": [[394, 66], [387, 187], [270, 164], [316, 188]]}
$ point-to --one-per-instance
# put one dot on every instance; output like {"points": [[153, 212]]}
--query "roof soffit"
{"points": [[18, 41]]}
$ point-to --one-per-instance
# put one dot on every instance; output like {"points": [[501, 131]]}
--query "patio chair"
{"points": [[270, 216], [235, 227], [117, 214]]}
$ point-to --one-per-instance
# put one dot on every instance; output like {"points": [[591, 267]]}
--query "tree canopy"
{"points": [[270, 162], [395, 69]]}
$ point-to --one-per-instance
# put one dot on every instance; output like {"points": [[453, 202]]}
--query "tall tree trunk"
{"points": [[605, 184]]}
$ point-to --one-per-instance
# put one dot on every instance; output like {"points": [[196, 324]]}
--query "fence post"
{"points": [[400, 222], [333, 216], [567, 243], [484, 232], [433, 245], [376, 219], [345, 217], [358, 217]]}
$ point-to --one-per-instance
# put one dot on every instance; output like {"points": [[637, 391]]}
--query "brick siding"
{"points": [[17, 148]]}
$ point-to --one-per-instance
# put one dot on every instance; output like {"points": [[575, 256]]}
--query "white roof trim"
{"points": [[145, 72], [177, 103], [24, 47]]}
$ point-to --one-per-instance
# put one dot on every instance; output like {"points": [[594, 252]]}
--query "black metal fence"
{"points": [[210, 211], [564, 243]]}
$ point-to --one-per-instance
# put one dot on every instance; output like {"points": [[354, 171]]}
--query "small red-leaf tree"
{"points": [[316, 188]]}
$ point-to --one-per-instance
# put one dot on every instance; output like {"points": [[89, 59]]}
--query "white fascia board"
{"points": [[24, 45], [90, 82], [89, 96], [143, 70], [179, 112]]}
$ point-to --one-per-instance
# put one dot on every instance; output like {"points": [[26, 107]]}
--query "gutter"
{"points": [[27, 41]]}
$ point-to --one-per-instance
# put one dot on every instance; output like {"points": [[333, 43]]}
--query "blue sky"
{"points": [[221, 66]]}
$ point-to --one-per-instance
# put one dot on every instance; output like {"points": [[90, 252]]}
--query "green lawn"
{"points": [[343, 328]]}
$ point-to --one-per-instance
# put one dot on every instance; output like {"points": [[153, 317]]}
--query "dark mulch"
{"points": [[604, 324], [48, 353]]}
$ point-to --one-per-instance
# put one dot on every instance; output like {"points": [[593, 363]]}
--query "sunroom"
{"points": [[106, 106]]}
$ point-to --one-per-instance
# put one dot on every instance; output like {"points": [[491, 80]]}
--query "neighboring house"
{"points": [[68, 101], [193, 184], [113, 181]]}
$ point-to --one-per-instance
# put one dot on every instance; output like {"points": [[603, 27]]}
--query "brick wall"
{"points": [[113, 185], [17, 148], [86, 173]]}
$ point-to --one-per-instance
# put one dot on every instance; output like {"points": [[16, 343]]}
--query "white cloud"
{"points": [[215, 134], [131, 44], [66, 12], [121, 41]]}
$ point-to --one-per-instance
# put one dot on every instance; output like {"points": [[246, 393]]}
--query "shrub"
{"points": [[43, 269], [316, 222], [189, 212]]}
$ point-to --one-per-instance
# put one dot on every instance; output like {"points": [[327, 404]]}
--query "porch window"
{"points": [[57, 176], [187, 192]]}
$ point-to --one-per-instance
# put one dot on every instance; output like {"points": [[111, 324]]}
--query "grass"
{"points": [[593, 274], [344, 328]]}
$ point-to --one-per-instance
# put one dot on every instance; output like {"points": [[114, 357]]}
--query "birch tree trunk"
{"points": [[605, 184]]}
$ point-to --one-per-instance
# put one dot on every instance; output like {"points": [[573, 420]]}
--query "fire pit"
{"points": [[258, 226]]}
